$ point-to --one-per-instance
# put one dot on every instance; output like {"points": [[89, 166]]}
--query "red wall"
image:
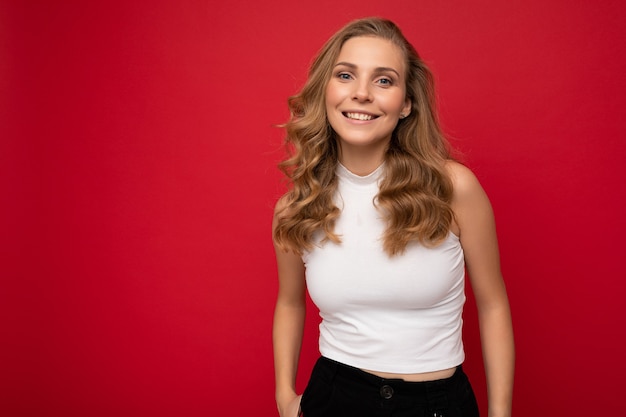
{"points": [[137, 162]]}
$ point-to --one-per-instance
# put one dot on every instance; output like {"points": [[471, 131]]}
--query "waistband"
{"points": [[331, 370]]}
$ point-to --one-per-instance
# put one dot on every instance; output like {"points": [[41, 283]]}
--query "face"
{"points": [[366, 94]]}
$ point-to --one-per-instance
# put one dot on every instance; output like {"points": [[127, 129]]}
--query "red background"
{"points": [[138, 177]]}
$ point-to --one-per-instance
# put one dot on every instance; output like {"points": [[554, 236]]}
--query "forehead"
{"points": [[372, 52]]}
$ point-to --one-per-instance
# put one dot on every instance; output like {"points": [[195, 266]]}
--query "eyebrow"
{"points": [[378, 69]]}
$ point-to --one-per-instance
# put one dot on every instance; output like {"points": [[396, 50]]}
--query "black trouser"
{"points": [[338, 390]]}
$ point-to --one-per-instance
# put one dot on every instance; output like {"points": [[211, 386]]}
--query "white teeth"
{"points": [[359, 116]]}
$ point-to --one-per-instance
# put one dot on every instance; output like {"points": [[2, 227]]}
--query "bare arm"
{"points": [[474, 217], [288, 328]]}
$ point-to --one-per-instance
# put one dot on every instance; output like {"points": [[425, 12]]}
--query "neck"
{"points": [[361, 161]]}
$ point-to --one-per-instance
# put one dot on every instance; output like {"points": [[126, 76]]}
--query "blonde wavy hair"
{"points": [[415, 192]]}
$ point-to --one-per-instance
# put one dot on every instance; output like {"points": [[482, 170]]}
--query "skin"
{"points": [[368, 79], [358, 85], [476, 228]]}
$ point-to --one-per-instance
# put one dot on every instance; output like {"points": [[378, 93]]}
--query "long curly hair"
{"points": [[415, 192]]}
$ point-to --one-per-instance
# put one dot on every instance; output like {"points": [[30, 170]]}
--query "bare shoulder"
{"points": [[464, 182], [279, 207], [281, 204]]}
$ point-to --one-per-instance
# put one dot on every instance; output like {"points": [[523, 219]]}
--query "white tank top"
{"points": [[398, 314]]}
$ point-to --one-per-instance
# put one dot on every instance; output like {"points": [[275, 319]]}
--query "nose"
{"points": [[362, 91]]}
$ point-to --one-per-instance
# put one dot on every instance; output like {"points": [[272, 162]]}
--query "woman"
{"points": [[380, 224]]}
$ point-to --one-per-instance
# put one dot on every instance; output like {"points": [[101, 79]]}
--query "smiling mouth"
{"points": [[359, 116]]}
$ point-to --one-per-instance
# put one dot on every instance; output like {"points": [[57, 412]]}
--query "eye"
{"points": [[344, 76], [385, 81]]}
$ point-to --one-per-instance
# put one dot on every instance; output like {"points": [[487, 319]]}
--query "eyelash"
{"points": [[346, 76]]}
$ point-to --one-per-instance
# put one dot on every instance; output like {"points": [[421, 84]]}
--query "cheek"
{"points": [[332, 100], [331, 95], [396, 102]]}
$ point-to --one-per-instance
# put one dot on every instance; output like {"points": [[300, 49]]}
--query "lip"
{"points": [[366, 113]]}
